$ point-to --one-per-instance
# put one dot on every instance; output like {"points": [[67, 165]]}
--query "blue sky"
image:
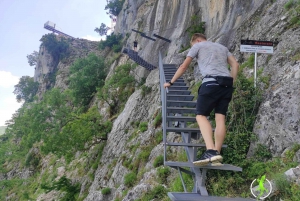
{"points": [[21, 28]]}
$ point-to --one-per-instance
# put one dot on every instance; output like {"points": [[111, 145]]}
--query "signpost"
{"points": [[256, 46]]}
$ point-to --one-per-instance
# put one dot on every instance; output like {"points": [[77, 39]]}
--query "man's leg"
{"points": [[220, 131], [206, 131], [210, 155]]}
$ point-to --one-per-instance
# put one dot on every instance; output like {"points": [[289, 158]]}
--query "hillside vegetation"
{"points": [[91, 127]]}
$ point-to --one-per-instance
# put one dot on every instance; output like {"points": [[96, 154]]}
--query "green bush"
{"points": [[291, 153], [289, 4], [130, 179], [106, 191], [157, 193], [26, 89], [158, 161], [176, 185], [282, 185], [32, 160], [143, 126], [261, 153], [118, 88], [158, 137], [144, 154], [64, 184], [197, 26], [117, 48], [58, 49], [145, 90], [111, 41], [86, 75], [114, 7], [163, 173], [158, 120]]}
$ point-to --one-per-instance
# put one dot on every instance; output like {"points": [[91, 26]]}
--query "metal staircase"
{"points": [[177, 108], [137, 59]]}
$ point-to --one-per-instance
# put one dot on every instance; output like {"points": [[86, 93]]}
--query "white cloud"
{"points": [[8, 106], [93, 38], [7, 79]]}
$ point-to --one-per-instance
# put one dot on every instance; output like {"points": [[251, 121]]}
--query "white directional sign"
{"points": [[256, 46]]}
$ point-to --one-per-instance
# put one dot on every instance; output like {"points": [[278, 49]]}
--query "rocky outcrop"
{"points": [[51, 73], [227, 22]]}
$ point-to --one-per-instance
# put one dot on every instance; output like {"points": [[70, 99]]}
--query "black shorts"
{"points": [[213, 96]]}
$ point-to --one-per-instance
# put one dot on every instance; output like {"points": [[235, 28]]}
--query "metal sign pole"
{"points": [[256, 46], [255, 66]]}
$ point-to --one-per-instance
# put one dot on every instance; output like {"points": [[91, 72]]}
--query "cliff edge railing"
{"points": [[178, 110]]}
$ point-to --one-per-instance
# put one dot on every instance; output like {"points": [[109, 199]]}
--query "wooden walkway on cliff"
{"points": [[178, 110]]}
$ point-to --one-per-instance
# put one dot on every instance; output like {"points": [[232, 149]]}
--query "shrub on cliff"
{"points": [[26, 89], [114, 7], [86, 75], [112, 41], [57, 48]]}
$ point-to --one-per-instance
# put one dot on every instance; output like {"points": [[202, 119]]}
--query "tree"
{"points": [[26, 89], [86, 75], [57, 48], [113, 41], [114, 7], [32, 58], [102, 30]]}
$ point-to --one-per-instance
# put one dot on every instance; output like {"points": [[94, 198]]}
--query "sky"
{"points": [[21, 28]]}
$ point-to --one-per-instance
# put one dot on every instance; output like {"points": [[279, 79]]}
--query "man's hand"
{"points": [[167, 84]]}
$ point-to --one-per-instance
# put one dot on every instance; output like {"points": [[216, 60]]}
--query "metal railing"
{"points": [[163, 94]]}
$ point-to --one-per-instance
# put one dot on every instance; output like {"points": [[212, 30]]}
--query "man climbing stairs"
{"points": [[179, 110]]}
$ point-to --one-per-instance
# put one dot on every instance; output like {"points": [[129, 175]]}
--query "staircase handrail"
{"points": [[163, 95]]}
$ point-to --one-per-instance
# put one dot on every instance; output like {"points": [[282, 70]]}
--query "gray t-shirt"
{"points": [[211, 58]]}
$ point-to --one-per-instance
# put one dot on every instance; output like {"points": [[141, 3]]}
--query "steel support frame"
{"points": [[199, 177]]}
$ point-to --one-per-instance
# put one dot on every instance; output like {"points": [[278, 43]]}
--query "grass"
{"points": [[158, 161], [130, 179], [106, 191]]}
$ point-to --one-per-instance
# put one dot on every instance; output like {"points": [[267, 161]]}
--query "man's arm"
{"points": [[234, 66], [180, 70]]}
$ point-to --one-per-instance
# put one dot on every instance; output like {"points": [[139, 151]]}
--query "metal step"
{"points": [[179, 110], [178, 84], [179, 80], [166, 65], [179, 92], [181, 88], [191, 165], [185, 130], [182, 144], [180, 97], [197, 197], [170, 72], [181, 118], [169, 76], [171, 103]]}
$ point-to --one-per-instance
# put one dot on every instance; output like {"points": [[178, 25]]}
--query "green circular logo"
{"points": [[261, 188]]}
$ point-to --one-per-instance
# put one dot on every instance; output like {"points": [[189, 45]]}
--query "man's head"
{"points": [[197, 37]]}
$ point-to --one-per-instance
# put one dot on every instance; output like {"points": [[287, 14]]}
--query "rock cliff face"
{"points": [[51, 73], [227, 22]]}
